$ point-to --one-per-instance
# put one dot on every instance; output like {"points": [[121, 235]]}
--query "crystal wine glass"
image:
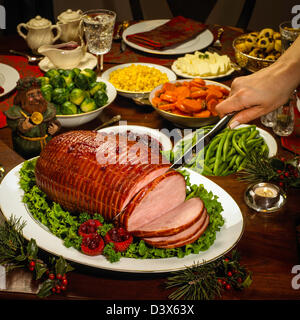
{"points": [[98, 27]]}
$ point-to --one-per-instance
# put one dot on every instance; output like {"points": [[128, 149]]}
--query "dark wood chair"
{"points": [[197, 10]]}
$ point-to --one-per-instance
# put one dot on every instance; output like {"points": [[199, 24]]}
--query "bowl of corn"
{"points": [[137, 80]]}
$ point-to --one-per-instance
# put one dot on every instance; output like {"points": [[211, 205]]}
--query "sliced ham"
{"points": [[164, 193], [182, 216], [184, 235], [192, 239]]}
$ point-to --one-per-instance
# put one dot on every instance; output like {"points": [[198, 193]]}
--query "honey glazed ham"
{"points": [[87, 171]]}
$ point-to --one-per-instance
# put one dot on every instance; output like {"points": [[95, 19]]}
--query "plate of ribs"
{"points": [[133, 187]]}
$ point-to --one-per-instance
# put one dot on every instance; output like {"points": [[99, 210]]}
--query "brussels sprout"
{"points": [[100, 98], [77, 96], [81, 81], [43, 80], [58, 82], [76, 71], [51, 73], [88, 104], [90, 74], [95, 86], [71, 86], [60, 95], [61, 71], [68, 108], [68, 75], [47, 90]]}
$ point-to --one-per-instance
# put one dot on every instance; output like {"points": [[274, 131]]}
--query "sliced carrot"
{"points": [[198, 94], [211, 106], [211, 96], [202, 114], [182, 92], [224, 91], [198, 82], [156, 100], [168, 97], [167, 107], [168, 86], [158, 92], [181, 107], [192, 105]]}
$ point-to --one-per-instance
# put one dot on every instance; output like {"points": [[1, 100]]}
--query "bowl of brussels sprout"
{"points": [[78, 95]]}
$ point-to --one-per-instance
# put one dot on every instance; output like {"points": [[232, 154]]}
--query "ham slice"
{"points": [[168, 222], [192, 239], [185, 235]]}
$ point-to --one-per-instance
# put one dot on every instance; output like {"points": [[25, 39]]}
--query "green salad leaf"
{"points": [[64, 224]]}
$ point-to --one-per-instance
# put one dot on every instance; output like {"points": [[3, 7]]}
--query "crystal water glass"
{"points": [[98, 27], [285, 117], [288, 35], [268, 119]]}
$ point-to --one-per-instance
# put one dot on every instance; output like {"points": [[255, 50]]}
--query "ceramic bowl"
{"points": [[75, 120], [132, 94], [186, 121]]}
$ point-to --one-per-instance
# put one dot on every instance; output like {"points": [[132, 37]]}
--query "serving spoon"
{"points": [[31, 59]]}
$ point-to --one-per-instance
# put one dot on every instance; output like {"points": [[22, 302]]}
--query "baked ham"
{"points": [[124, 181]]}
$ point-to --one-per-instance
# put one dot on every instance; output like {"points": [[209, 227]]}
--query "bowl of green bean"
{"points": [[227, 152]]}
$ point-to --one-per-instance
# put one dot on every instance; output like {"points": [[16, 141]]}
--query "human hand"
{"points": [[255, 95], [52, 129]]}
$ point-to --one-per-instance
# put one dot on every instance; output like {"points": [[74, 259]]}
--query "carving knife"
{"points": [[205, 140]]}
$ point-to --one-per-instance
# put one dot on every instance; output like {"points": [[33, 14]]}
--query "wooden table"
{"points": [[268, 246]]}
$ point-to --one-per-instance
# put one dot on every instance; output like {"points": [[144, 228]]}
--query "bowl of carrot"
{"points": [[189, 103]]}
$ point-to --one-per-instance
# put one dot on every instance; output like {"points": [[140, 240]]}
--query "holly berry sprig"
{"points": [[207, 281], [282, 171], [16, 252]]}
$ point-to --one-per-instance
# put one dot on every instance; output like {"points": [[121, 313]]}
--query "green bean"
{"points": [[232, 162], [211, 160], [238, 160], [241, 166], [212, 145], [207, 170], [226, 144], [238, 149], [253, 134], [221, 169], [219, 152]]}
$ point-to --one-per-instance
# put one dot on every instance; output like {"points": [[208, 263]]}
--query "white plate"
{"points": [[9, 77], [140, 130], [185, 75], [88, 61], [11, 205], [203, 40], [269, 139], [132, 94]]}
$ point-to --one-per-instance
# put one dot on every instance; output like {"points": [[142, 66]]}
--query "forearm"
{"points": [[287, 67]]}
